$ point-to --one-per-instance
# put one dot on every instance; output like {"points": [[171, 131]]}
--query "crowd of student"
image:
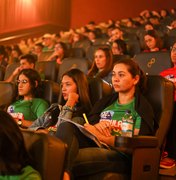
{"points": [[151, 30]]}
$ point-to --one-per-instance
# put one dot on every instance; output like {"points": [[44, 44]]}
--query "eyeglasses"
{"points": [[24, 81], [173, 49]]}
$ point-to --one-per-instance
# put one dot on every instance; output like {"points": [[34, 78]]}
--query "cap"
{"points": [[47, 36]]}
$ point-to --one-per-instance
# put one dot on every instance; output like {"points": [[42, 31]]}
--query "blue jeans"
{"points": [[85, 158]]}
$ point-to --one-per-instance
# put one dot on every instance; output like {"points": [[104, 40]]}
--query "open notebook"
{"points": [[88, 134]]}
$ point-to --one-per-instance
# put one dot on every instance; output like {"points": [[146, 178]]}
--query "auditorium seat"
{"points": [[47, 154], [7, 93], [9, 69], [85, 43], [2, 73], [47, 68], [98, 89], [77, 52], [133, 47], [152, 63], [51, 91], [145, 150], [68, 63], [120, 57]]}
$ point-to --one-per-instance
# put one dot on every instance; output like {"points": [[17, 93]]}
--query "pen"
{"points": [[85, 118]]}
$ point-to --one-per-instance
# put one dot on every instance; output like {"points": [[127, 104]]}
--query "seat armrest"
{"points": [[136, 142]]}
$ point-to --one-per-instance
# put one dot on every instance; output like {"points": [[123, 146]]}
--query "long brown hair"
{"points": [[108, 67], [82, 85], [33, 77], [153, 33], [13, 154]]}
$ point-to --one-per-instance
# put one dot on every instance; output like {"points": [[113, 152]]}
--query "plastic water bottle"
{"points": [[127, 124], [10, 109]]}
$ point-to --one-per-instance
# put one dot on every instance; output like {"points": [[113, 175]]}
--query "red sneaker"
{"points": [[164, 154], [167, 163]]}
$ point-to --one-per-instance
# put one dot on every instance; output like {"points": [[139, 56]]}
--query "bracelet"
{"points": [[19, 122], [68, 108]]}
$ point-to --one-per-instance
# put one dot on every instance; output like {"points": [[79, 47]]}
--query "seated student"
{"points": [[75, 99], [152, 41], [28, 101], [119, 47], [48, 42], [102, 65], [15, 54], [170, 149], [60, 52], [106, 119], [26, 61], [3, 57], [116, 33], [14, 159], [37, 52]]}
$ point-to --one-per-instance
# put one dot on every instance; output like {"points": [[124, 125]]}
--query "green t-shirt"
{"points": [[31, 109], [28, 173], [114, 114]]}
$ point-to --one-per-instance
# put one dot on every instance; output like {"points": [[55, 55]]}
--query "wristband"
{"points": [[68, 108], [19, 122]]}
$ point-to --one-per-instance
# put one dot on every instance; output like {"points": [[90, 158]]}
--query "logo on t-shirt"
{"points": [[116, 125], [106, 115]]}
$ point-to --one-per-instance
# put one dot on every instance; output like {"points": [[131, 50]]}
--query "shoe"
{"points": [[164, 154], [167, 163]]}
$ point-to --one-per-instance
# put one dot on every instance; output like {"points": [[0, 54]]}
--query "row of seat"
{"points": [[145, 151], [152, 63], [51, 91], [50, 69], [132, 41], [97, 87]]}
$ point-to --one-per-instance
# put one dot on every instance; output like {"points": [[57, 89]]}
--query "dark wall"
{"points": [[83, 11]]}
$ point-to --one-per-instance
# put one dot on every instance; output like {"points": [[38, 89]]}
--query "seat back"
{"points": [[68, 63], [48, 68], [7, 92], [51, 91], [98, 89], [160, 94], [116, 58], [77, 52], [9, 69], [45, 55], [133, 47], [2, 73], [152, 63], [47, 153], [85, 43]]}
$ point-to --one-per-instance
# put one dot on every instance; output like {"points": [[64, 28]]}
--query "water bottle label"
{"points": [[17, 115], [10, 109], [127, 126]]}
